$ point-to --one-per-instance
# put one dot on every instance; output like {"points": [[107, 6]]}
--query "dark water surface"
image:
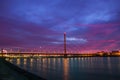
{"points": [[86, 68]]}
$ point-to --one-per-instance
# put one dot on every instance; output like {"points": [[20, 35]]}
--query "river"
{"points": [[82, 68]]}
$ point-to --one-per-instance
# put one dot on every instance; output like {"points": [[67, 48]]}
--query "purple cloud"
{"points": [[90, 25]]}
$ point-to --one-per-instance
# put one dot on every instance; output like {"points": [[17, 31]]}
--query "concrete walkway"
{"points": [[7, 72]]}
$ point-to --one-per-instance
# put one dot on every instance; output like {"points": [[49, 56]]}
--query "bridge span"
{"points": [[37, 54]]}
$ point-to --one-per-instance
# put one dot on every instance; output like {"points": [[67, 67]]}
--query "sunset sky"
{"points": [[89, 24]]}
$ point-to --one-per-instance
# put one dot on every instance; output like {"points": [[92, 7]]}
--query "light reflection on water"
{"points": [[66, 69], [84, 68]]}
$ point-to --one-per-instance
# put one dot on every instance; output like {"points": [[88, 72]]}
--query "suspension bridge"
{"points": [[62, 50]]}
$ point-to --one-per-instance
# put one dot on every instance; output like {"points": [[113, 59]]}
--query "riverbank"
{"points": [[9, 71]]}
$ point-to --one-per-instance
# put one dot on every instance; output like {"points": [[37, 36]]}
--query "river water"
{"points": [[83, 68]]}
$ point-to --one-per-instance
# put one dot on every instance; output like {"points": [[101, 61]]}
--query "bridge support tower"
{"points": [[65, 51]]}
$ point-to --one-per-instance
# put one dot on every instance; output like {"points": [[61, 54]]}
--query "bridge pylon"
{"points": [[65, 51]]}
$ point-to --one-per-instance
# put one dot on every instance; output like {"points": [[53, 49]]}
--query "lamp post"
{"points": [[2, 52]]}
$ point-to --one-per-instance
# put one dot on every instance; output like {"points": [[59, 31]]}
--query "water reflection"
{"points": [[24, 62], [31, 63], [71, 68], [109, 65], [66, 69], [18, 61]]}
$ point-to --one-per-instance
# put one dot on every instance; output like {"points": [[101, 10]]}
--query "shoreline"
{"points": [[16, 69]]}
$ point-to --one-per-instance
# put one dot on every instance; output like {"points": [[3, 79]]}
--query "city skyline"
{"points": [[89, 25]]}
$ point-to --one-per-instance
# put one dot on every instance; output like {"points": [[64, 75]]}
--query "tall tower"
{"points": [[64, 42]]}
